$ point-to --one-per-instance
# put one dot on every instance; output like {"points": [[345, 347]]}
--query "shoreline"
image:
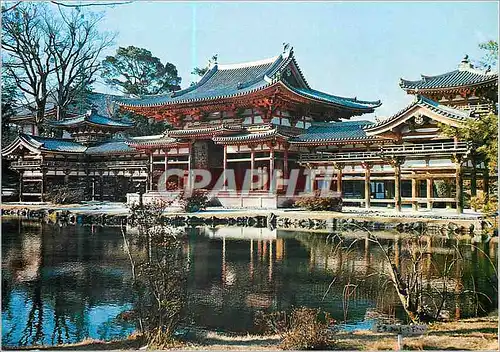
{"points": [[464, 334], [384, 215]]}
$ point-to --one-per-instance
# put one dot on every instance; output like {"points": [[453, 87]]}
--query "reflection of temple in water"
{"points": [[239, 271]]}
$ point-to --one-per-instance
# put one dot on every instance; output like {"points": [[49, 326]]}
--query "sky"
{"points": [[354, 49]]}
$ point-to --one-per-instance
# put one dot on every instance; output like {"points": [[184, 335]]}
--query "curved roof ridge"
{"points": [[198, 84], [424, 101], [375, 103], [269, 60]]}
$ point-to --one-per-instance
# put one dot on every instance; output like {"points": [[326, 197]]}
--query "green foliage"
{"points": [[491, 56], [143, 126], [199, 71], [484, 204], [445, 188], [194, 202], [301, 329], [482, 132], [317, 202], [10, 96], [64, 194], [136, 71]]}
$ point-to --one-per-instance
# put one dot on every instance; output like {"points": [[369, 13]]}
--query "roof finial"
{"points": [[213, 61], [465, 63], [287, 49]]}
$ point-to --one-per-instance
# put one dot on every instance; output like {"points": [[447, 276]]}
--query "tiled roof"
{"points": [[430, 104], [115, 147], [152, 141], [70, 146], [53, 144], [253, 136], [224, 81], [92, 117], [335, 131], [465, 75], [334, 99], [218, 129], [219, 82]]}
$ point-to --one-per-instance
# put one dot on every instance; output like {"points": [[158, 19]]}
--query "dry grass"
{"points": [[468, 334]]}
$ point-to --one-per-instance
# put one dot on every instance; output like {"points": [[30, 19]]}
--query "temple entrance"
{"points": [[208, 156]]}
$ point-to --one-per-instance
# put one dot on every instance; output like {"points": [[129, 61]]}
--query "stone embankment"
{"points": [[284, 220]]}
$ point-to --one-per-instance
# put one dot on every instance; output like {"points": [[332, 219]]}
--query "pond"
{"points": [[63, 284]]}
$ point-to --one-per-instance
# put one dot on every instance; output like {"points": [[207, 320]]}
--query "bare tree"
{"points": [[28, 60], [51, 53], [72, 4], [75, 44]]}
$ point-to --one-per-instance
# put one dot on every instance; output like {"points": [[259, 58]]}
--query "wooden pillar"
{"points": [[165, 162], [311, 178], [397, 184], [486, 181], [272, 182], [473, 182], [150, 173], [339, 177], [459, 185], [414, 203], [224, 174], [285, 164], [101, 186], [190, 160], [21, 183], [87, 185], [252, 168], [429, 192], [42, 185], [367, 167], [92, 194], [116, 195], [66, 176]]}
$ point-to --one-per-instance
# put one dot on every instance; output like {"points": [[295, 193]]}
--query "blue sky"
{"points": [[345, 48]]}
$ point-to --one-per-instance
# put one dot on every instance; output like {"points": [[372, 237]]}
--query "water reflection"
{"points": [[65, 284], [62, 285]]}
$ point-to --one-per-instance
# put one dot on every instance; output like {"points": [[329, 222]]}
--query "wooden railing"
{"points": [[339, 156], [479, 108], [388, 151], [426, 148], [25, 163], [80, 165]]}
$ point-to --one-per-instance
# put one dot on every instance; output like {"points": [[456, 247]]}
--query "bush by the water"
{"points": [[194, 202], [320, 202], [63, 194], [301, 329]]}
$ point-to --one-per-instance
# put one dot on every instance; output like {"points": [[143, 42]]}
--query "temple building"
{"points": [[264, 116]]}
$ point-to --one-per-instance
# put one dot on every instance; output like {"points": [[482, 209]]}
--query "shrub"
{"points": [[63, 194], [301, 329], [319, 202], [484, 205], [288, 203], [197, 201], [159, 274]]}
